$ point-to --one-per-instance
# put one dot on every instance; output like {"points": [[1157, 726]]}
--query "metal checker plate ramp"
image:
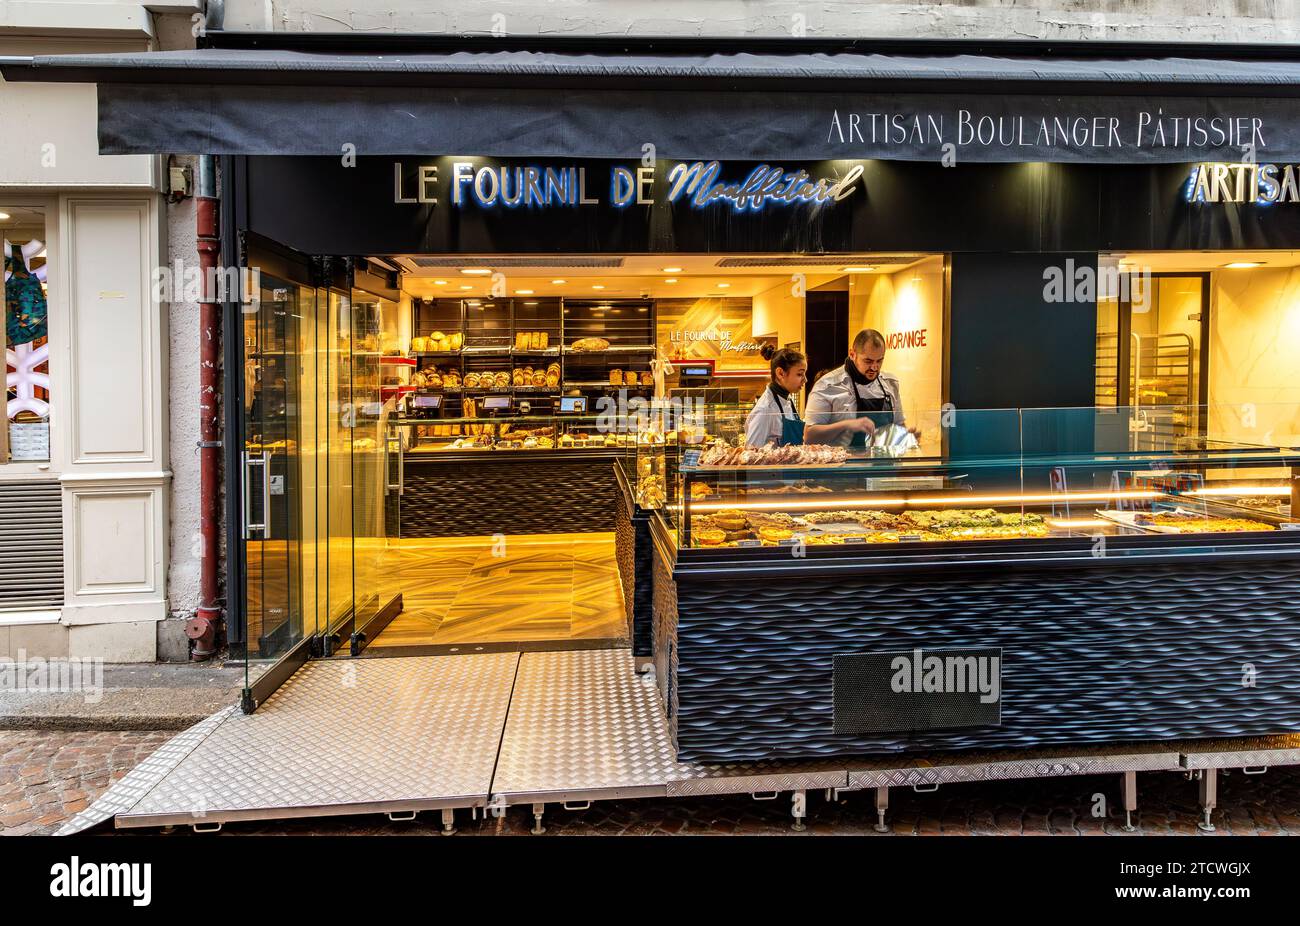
{"points": [[894, 771], [347, 737], [1252, 752], [138, 782], [583, 725]]}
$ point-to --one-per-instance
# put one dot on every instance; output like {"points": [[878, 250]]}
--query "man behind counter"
{"points": [[849, 403]]}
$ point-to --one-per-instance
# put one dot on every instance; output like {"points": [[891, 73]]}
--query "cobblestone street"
{"points": [[47, 776]]}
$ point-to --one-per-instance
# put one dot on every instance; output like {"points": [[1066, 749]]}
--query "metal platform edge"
{"points": [[1243, 759], [760, 782], [260, 814], [1036, 767]]}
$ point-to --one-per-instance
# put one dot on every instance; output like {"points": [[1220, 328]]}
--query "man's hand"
{"points": [[861, 426]]}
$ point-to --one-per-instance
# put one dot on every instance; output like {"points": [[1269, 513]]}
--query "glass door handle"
{"points": [[388, 450], [263, 460]]}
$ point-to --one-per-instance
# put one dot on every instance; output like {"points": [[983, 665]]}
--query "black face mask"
{"points": [[779, 391]]}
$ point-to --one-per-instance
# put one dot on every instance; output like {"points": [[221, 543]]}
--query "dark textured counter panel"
{"points": [[634, 549], [1114, 650], [475, 493]]}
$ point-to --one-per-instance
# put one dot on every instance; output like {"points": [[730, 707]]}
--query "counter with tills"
{"points": [[873, 607]]}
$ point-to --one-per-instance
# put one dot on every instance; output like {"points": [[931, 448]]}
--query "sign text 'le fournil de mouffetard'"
{"points": [[698, 183]]}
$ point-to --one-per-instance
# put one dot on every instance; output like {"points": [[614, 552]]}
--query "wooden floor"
{"points": [[527, 589]]}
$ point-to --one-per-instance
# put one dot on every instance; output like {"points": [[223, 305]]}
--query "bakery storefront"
{"points": [[494, 390]]}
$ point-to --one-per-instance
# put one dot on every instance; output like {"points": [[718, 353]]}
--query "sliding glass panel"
{"points": [[271, 469]]}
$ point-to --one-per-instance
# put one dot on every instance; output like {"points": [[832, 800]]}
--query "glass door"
{"points": [[319, 464], [378, 375], [277, 524], [338, 420]]}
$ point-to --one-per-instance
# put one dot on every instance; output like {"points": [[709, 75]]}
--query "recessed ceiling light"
{"points": [[4, 216], [672, 270], [476, 271], [558, 282], [439, 282], [530, 303], [598, 286], [670, 280], [467, 287], [523, 292], [1244, 264], [723, 285], [856, 269]]}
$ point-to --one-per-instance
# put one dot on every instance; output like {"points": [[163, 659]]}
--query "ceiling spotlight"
{"points": [[467, 287], [723, 285], [670, 280], [439, 282], [558, 282], [672, 270], [530, 303], [476, 271], [523, 292], [598, 286], [4, 216], [856, 269], [1244, 264]]}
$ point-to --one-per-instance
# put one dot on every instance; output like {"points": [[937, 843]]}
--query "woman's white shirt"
{"points": [[763, 426]]}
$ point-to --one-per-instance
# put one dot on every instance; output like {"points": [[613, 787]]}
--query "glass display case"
{"points": [[1033, 477]]}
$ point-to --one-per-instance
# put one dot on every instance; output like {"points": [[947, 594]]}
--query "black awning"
{"points": [[765, 104]]}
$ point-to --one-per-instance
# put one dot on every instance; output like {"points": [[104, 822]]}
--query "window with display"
{"points": [[26, 436]]}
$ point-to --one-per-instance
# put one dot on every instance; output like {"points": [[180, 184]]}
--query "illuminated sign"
{"points": [[765, 184], [900, 340], [1244, 183], [699, 183], [513, 186]]}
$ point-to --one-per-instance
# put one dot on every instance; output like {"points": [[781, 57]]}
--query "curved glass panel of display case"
{"points": [[961, 483]]}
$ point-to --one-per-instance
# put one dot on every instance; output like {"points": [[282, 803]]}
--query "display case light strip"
{"points": [[788, 504], [1079, 522], [1279, 491]]}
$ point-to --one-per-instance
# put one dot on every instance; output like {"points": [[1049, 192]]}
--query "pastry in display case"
{"points": [[819, 495], [516, 434]]}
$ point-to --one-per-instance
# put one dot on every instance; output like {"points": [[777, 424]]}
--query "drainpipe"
{"points": [[203, 628]]}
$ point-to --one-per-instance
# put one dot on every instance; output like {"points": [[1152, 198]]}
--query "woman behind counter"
{"points": [[774, 419]]}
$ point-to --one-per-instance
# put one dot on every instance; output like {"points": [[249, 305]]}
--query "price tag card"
{"points": [[749, 543]]}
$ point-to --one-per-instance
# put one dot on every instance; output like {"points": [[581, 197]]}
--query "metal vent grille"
{"points": [[844, 260], [499, 263], [31, 546]]}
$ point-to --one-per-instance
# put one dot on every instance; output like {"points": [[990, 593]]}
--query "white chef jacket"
{"points": [[832, 399], [763, 426]]}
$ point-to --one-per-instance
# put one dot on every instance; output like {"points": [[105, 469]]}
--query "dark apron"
{"points": [[879, 410], [791, 428]]}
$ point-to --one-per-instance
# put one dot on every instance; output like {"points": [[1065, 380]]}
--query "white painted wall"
{"points": [[182, 386], [1133, 20], [113, 361]]}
